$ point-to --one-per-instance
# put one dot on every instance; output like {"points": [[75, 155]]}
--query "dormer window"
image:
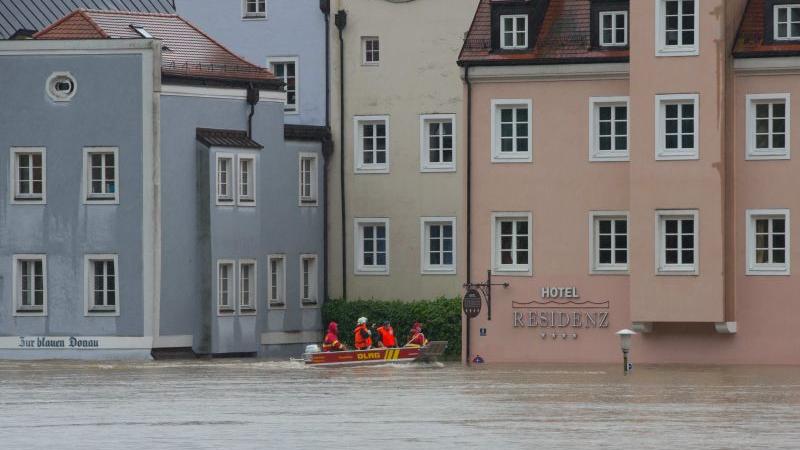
{"points": [[613, 28], [787, 22], [514, 32]]}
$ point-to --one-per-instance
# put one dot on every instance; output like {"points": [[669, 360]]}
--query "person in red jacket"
{"points": [[417, 339], [331, 342], [386, 335], [363, 337]]}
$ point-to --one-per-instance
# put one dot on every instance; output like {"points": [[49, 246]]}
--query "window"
{"points": [[787, 22], [255, 9], [608, 129], [614, 29], [225, 286], [677, 241], [225, 179], [102, 285], [372, 246], [511, 133], [676, 27], [100, 167], [247, 286], [511, 235], [247, 181], [438, 245], [768, 126], [438, 142], [285, 69], [677, 126], [371, 146], [61, 86], [276, 296], [308, 179], [30, 285], [308, 280], [28, 175], [514, 32], [141, 31], [371, 51], [609, 242], [768, 247]]}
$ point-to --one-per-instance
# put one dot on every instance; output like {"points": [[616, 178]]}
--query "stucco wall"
{"points": [[105, 111]]}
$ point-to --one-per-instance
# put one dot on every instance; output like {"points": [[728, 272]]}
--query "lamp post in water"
{"points": [[625, 344]]}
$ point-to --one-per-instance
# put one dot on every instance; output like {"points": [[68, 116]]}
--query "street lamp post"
{"points": [[625, 344]]}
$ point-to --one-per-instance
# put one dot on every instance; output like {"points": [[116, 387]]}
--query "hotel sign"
{"points": [[561, 313]]}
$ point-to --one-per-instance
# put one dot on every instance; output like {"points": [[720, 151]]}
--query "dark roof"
{"points": [[564, 37], [226, 138], [189, 53], [37, 14], [306, 133], [753, 38]]}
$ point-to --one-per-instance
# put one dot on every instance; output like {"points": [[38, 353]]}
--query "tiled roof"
{"points": [[34, 15], [226, 138], [187, 53], [752, 39], [564, 37]]}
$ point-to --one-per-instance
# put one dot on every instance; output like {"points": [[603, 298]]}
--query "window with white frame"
{"points": [[677, 241], [786, 22], [438, 245], [677, 24], [28, 174], [246, 194], [286, 71], [609, 129], [255, 9], [370, 50], [30, 284], [247, 286], [276, 291], [512, 243], [677, 126], [511, 130], [102, 284], [438, 142], [609, 241], [768, 126], [226, 286], [308, 179], [372, 144], [372, 246], [613, 28], [514, 32], [308, 280], [100, 166], [225, 178], [768, 247]]}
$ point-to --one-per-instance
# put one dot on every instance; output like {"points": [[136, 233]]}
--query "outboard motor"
{"points": [[310, 350]]}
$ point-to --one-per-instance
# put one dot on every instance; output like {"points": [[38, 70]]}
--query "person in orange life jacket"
{"points": [[331, 342], [363, 337], [386, 335], [418, 339]]}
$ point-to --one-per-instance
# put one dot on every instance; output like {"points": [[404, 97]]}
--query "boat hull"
{"points": [[376, 355]]}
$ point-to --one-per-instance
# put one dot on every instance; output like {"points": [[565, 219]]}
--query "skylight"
{"points": [[142, 32]]}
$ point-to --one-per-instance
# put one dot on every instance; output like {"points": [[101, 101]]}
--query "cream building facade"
{"points": [[397, 232]]}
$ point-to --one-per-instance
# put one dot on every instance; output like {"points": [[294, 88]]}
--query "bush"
{"points": [[440, 319]]}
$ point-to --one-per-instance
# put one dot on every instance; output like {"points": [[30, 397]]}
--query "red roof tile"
{"points": [[752, 41], [187, 53], [565, 36]]}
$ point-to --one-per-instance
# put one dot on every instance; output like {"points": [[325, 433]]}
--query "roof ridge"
{"points": [[76, 12], [246, 62], [127, 13]]}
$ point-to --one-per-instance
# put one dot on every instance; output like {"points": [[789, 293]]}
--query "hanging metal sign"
{"points": [[472, 303]]}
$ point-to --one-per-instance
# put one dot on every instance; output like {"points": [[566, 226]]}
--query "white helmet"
{"points": [[362, 320]]}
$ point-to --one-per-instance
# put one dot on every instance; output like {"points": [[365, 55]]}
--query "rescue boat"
{"points": [[314, 356]]}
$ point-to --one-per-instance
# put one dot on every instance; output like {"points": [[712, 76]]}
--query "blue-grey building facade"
{"points": [[124, 193]]}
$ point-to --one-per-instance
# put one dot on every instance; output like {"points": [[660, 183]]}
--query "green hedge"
{"points": [[440, 319]]}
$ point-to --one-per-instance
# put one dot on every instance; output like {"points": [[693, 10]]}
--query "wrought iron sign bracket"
{"points": [[485, 289]]}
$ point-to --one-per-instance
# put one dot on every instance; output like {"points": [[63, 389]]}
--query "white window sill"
{"points": [[372, 169], [520, 158], [226, 312], [768, 271], [247, 311], [677, 271], [609, 271], [308, 202], [516, 47], [757, 155], [610, 157], [102, 313], [246, 204], [22, 312], [372, 272], [28, 201], [438, 271], [276, 305], [437, 168], [502, 272], [309, 304], [101, 201], [678, 51], [255, 17], [664, 155], [370, 64]]}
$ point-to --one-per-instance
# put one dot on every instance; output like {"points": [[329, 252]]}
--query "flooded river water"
{"points": [[243, 404]]}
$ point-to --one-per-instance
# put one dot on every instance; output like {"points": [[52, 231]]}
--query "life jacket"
{"points": [[362, 337], [331, 343], [387, 336], [418, 340]]}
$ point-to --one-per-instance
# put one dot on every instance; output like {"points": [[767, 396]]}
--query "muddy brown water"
{"points": [[249, 404]]}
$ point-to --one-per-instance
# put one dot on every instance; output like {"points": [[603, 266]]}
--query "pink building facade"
{"points": [[631, 167]]}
